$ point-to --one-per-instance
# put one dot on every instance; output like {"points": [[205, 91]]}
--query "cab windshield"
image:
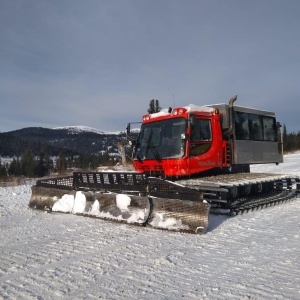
{"points": [[161, 139]]}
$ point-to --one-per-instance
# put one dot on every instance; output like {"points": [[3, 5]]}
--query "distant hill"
{"points": [[74, 139]]}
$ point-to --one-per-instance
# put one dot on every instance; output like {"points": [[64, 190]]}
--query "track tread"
{"points": [[284, 188]]}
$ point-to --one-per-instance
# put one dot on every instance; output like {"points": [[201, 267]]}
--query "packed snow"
{"points": [[64, 256]]}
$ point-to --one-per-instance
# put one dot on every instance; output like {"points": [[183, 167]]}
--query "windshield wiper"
{"points": [[152, 148], [149, 142], [155, 153]]}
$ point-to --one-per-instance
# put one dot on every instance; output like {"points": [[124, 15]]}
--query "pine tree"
{"points": [[48, 164], [14, 168], [284, 135], [61, 163], [154, 107], [40, 169], [2, 170], [28, 163]]}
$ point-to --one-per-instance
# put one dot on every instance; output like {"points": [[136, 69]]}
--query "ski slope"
{"points": [[63, 256]]}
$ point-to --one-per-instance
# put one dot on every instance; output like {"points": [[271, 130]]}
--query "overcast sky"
{"points": [[98, 63]]}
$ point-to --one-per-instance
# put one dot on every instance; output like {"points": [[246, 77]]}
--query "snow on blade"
{"points": [[120, 211], [71, 204], [64, 204], [79, 203], [160, 221], [137, 217], [95, 209], [123, 201]]}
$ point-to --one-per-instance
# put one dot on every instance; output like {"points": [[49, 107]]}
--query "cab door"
{"points": [[201, 136]]}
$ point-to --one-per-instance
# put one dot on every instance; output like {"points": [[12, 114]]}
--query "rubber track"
{"points": [[290, 190], [262, 202]]}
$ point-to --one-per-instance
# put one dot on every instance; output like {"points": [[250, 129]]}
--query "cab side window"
{"points": [[201, 137], [201, 130], [255, 127], [242, 131]]}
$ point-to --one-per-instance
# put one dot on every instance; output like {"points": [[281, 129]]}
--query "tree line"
{"points": [[291, 141], [38, 166]]}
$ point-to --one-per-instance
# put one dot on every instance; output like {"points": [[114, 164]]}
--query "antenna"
{"points": [[173, 101]]}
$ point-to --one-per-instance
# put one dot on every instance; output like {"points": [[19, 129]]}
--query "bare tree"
{"points": [[121, 148]]}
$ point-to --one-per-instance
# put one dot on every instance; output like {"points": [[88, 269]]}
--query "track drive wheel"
{"points": [[247, 189], [233, 191], [258, 188]]}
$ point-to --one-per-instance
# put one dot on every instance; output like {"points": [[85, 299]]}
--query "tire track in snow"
{"points": [[63, 250]]}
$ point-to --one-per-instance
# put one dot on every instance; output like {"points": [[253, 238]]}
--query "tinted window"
{"points": [[242, 131], [201, 131], [255, 127], [270, 132]]}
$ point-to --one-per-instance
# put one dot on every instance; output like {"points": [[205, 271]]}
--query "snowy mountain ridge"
{"points": [[79, 139], [80, 128]]}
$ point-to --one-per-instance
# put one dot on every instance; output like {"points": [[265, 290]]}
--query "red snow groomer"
{"points": [[191, 140], [188, 161]]}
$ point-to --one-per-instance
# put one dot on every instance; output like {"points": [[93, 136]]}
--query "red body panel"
{"points": [[188, 164]]}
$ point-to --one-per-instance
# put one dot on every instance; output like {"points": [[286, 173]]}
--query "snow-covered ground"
{"points": [[63, 256]]}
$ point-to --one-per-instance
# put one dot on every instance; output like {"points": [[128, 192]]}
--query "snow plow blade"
{"points": [[177, 208], [116, 207], [179, 215], [125, 197]]}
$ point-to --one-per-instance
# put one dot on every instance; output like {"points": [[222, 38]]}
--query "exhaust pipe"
{"points": [[229, 131]]}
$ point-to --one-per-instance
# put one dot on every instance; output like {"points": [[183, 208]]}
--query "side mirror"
{"points": [[128, 128]]}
